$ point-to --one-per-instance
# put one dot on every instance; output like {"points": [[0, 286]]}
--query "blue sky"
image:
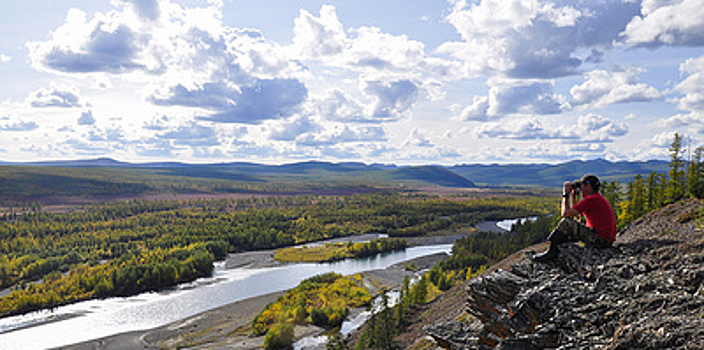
{"points": [[390, 81]]}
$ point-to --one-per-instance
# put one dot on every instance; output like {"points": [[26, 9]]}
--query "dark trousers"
{"points": [[570, 230]]}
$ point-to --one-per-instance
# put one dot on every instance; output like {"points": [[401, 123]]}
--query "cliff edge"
{"points": [[646, 292]]}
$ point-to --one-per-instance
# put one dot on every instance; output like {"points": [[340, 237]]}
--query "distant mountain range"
{"points": [[467, 175], [553, 175]]}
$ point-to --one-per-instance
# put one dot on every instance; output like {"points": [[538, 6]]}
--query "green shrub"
{"points": [[280, 336]]}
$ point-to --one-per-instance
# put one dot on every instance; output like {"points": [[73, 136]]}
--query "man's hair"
{"points": [[592, 181]]}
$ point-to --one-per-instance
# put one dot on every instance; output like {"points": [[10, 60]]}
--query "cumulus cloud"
{"points": [[602, 88], [392, 99], [86, 118], [477, 110], [193, 59], [106, 43], [337, 105], [251, 104], [525, 129], [343, 134], [417, 138], [291, 129], [192, 135], [589, 128], [55, 96], [384, 101], [598, 128], [533, 39], [671, 22], [319, 36], [19, 126], [5, 58], [365, 50], [693, 85], [513, 97], [684, 123], [112, 134]]}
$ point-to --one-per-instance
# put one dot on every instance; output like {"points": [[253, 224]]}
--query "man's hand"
{"points": [[567, 188], [567, 210]]}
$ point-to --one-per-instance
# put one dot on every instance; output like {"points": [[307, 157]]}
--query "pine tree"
{"points": [[695, 180], [676, 185]]}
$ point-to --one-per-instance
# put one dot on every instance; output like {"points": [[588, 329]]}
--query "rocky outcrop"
{"points": [[646, 292]]}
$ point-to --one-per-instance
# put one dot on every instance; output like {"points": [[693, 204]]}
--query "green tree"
{"points": [[695, 174], [677, 182], [612, 191], [655, 186]]}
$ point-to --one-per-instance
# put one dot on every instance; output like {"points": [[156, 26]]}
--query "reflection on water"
{"points": [[99, 318]]}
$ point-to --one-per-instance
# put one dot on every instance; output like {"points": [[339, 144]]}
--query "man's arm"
{"points": [[568, 197]]}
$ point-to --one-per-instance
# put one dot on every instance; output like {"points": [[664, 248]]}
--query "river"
{"points": [[100, 318]]}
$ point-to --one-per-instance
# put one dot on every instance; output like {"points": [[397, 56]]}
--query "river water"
{"points": [[100, 318]]}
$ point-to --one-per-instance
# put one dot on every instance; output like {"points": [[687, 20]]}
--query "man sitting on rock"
{"points": [[600, 229]]}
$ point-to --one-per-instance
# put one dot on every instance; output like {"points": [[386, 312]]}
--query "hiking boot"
{"points": [[547, 255]]}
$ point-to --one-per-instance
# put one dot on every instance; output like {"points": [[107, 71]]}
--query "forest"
{"points": [[473, 254], [330, 252], [685, 179], [128, 247]]}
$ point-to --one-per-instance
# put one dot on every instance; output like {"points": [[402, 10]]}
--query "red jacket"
{"points": [[600, 216]]}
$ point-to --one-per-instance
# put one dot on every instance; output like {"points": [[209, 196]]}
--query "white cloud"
{"points": [[417, 138], [532, 39], [530, 98], [392, 100], [384, 101], [104, 44], [477, 110], [337, 105], [589, 128], [602, 88], [55, 96], [264, 99], [19, 126], [319, 37], [667, 22], [690, 123], [192, 135], [513, 97], [343, 134], [192, 59], [5, 58], [291, 129], [693, 85], [524, 129], [366, 50], [86, 118], [596, 128]]}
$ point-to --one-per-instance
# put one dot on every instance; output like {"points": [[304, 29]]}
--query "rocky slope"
{"points": [[646, 292]]}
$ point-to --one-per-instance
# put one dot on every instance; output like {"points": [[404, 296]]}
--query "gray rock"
{"points": [[646, 292]]}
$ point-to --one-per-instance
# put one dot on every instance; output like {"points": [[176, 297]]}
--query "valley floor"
{"points": [[228, 326]]}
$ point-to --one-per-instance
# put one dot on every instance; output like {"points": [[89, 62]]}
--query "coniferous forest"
{"points": [[124, 248]]}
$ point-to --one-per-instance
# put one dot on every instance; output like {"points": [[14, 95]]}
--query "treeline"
{"points": [[685, 179], [471, 255], [322, 300], [123, 248]]}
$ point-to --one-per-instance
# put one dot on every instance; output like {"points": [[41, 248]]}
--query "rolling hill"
{"points": [[105, 176]]}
